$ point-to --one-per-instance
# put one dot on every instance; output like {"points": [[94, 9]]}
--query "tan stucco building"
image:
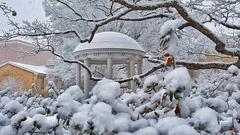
{"points": [[26, 76]]}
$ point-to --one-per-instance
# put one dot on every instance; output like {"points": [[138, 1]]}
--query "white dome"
{"points": [[110, 40]]}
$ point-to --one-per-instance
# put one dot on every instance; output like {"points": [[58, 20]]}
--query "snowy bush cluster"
{"points": [[166, 106]]}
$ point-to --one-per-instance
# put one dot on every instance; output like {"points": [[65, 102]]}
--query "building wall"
{"points": [[25, 79], [195, 73], [23, 52], [219, 59]]}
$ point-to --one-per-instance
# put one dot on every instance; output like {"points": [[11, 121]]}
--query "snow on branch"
{"points": [[188, 65], [196, 65], [145, 18], [51, 49], [228, 25], [7, 10], [220, 45]]}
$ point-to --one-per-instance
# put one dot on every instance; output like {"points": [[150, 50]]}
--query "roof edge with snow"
{"points": [[40, 70]]}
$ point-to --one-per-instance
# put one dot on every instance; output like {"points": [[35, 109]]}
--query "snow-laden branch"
{"points": [[80, 17], [145, 18], [7, 10], [48, 47], [154, 69], [220, 45], [205, 65], [150, 6], [196, 65], [9, 36], [228, 25], [113, 18], [189, 65], [121, 15], [36, 32]]}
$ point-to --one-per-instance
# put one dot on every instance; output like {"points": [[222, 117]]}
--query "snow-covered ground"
{"points": [[168, 106]]}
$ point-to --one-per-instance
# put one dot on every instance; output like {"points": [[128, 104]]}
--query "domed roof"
{"points": [[110, 40]]}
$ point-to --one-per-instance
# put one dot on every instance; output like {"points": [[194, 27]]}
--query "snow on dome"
{"points": [[110, 40]]}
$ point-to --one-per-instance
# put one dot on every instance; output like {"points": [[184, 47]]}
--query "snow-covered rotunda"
{"points": [[109, 48]]}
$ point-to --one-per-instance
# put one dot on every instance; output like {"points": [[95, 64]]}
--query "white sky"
{"points": [[26, 10], [33, 9]]}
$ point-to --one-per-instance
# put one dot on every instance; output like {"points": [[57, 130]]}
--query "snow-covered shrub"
{"points": [[107, 90], [80, 119], [13, 107], [206, 119], [121, 122], [217, 104], [165, 125], [184, 130], [7, 130], [4, 120], [151, 83], [178, 81], [195, 103], [102, 117], [212, 107], [53, 92], [146, 131], [43, 123], [75, 92], [37, 110], [139, 124], [67, 106]]}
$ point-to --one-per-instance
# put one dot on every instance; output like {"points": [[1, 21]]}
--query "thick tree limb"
{"points": [[188, 65], [145, 18], [205, 65], [220, 45]]}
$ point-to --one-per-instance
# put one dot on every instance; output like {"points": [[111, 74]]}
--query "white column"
{"points": [[132, 73], [78, 75], [86, 80], [109, 68], [128, 74], [139, 66]]}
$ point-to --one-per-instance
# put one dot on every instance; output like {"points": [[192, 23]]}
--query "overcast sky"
{"points": [[33, 9], [26, 10]]}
